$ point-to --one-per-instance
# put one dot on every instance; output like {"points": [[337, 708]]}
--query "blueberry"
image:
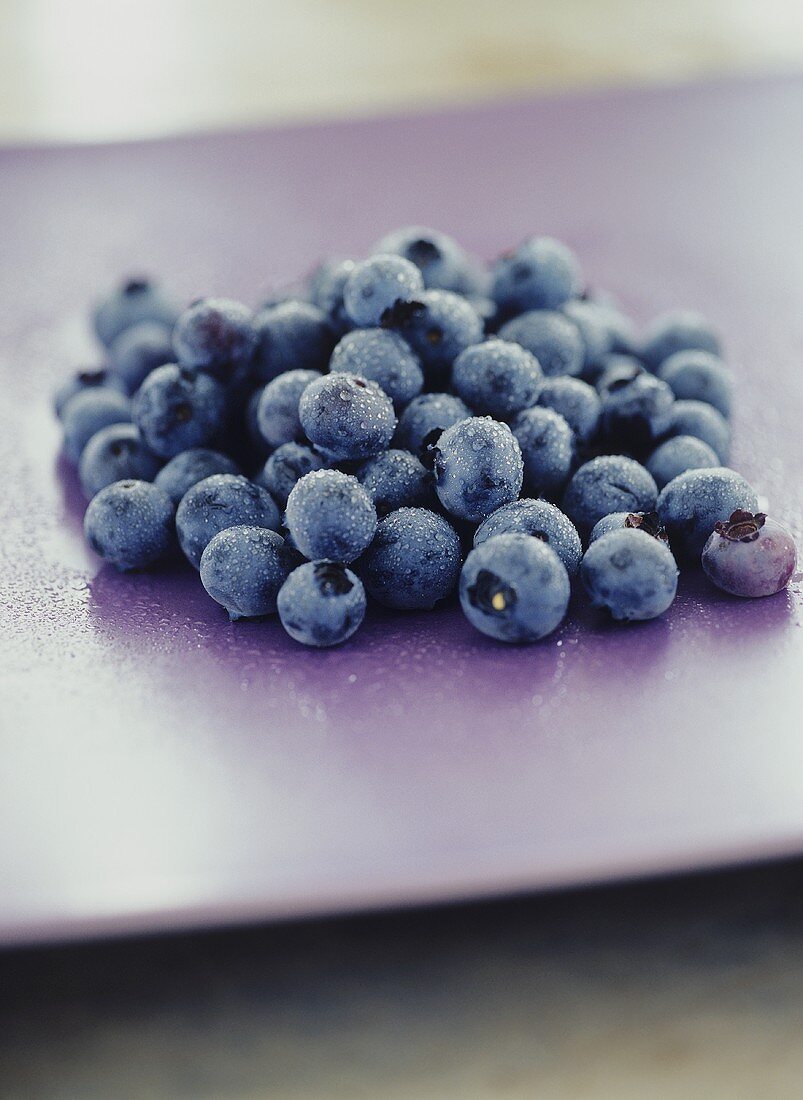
{"points": [[413, 561], [277, 412], [614, 521], [383, 357], [438, 325], [330, 515], [216, 335], [596, 333], [692, 504], [615, 369], [703, 422], [322, 603], [497, 378], [137, 351], [97, 378], [699, 376], [478, 467], [576, 401], [115, 453], [327, 285], [397, 479], [541, 273], [135, 300], [514, 588], [750, 555], [89, 411], [676, 455], [347, 417], [443, 264], [636, 412], [242, 568], [219, 502], [610, 483], [293, 335], [540, 519], [189, 467], [287, 465], [547, 448], [631, 574], [377, 284], [552, 338], [648, 522], [426, 417], [679, 331], [176, 408], [130, 524]]}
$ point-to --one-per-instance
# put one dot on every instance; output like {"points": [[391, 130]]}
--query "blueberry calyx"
{"points": [[742, 526], [649, 523], [520, 272], [94, 377], [423, 252], [428, 454], [490, 595], [624, 380], [401, 313], [332, 578], [137, 285]]}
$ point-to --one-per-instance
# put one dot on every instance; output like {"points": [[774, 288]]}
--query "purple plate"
{"points": [[162, 768]]}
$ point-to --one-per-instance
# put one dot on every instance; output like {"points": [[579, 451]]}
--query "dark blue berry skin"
{"points": [[347, 417], [189, 467], [397, 479], [631, 574], [676, 455], [610, 483], [383, 357], [286, 466], [137, 351], [514, 588], [277, 412], [89, 411], [91, 379], [541, 273], [427, 416], [135, 300], [330, 515], [438, 325], [547, 448], [596, 333], [130, 524], [326, 287], [217, 336], [442, 262], [540, 519], [293, 335], [636, 413], [576, 401], [692, 504], [242, 568], [478, 468], [219, 502], [497, 378], [413, 561], [376, 285], [322, 603], [116, 453], [703, 422], [177, 408], [699, 376], [615, 521], [551, 337], [679, 331]]}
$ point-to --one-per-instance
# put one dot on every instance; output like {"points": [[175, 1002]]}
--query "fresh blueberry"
{"points": [[293, 335], [438, 325], [692, 504], [277, 412], [216, 335], [135, 300], [242, 568], [631, 574], [497, 378], [130, 524], [576, 401], [326, 287], [547, 448], [397, 479], [551, 337], [649, 522], [383, 357], [703, 422], [750, 555], [478, 468], [330, 515], [541, 273], [679, 331], [347, 417], [139, 350], [442, 262], [176, 408], [636, 412], [676, 455], [426, 417], [89, 411], [287, 465], [699, 376], [377, 284], [189, 467], [615, 369], [514, 588], [592, 321], [219, 502], [610, 483], [322, 603], [413, 561], [540, 519], [91, 379], [116, 453]]}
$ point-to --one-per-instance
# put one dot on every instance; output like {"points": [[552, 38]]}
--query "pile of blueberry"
{"points": [[412, 424]]}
